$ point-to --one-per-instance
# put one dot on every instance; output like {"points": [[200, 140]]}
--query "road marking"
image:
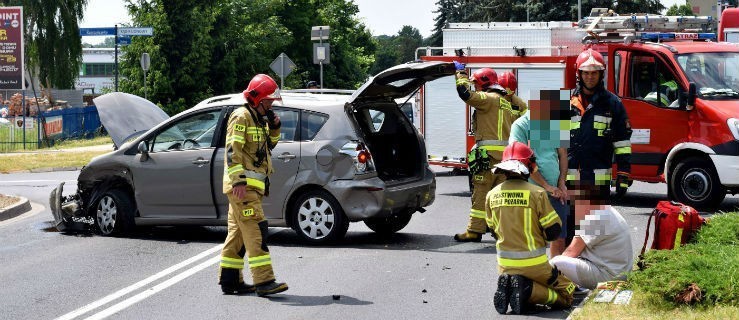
{"points": [[137, 285], [143, 295], [27, 181]]}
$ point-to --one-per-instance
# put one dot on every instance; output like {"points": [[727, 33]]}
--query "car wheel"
{"points": [[114, 213], [695, 183], [319, 218], [390, 224]]}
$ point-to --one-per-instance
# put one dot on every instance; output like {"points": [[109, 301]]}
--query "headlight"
{"points": [[734, 127]]}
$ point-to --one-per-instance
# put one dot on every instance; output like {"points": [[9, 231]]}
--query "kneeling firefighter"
{"points": [[253, 131], [521, 217], [494, 113]]}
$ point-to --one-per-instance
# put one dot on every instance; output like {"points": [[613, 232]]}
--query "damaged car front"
{"points": [[102, 184]]}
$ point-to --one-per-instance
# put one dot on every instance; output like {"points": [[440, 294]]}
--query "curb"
{"points": [[15, 210]]}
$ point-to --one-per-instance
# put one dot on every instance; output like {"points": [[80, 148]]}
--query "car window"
{"points": [[289, 120], [653, 82], [311, 123], [193, 132]]}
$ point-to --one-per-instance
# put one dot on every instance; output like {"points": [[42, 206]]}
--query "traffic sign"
{"points": [[321, 53], [124, 40], [282, 65], [97, 32], [142, 31], [319, 32]]}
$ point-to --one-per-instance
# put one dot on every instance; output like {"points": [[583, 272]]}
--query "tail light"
{"points": [[361, 155]]}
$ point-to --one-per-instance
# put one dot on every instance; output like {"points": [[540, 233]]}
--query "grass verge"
{"points": [[32, 161], [711, 263], [76, 143]]}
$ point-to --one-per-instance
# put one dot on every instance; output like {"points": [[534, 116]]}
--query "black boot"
{"points": [[520, 291], [230, 282], [503, 294], [271, 287]]}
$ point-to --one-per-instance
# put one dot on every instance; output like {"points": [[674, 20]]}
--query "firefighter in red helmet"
{"points": [[491, 123], [521, 217], [599, 134], [253, 131]]}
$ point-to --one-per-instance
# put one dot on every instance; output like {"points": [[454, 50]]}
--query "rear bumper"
{"points": [[372, 198], [727, 168]]}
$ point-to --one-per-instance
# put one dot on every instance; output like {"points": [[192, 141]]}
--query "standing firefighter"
{"points": [[491, 124], [599, 129], [253, 130], [523, 220]]}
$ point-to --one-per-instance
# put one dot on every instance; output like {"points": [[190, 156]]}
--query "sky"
{"points": [[380, 16]]}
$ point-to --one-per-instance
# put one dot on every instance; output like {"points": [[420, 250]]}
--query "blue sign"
{"points": [[97, 32], [124, 40]]}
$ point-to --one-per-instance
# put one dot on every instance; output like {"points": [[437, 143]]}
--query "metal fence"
{"points": [[19, 133]]}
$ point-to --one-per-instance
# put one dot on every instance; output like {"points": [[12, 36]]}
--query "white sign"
{"points": [[640, 136], [144, 31]]}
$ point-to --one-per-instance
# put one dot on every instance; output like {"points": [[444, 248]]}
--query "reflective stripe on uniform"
{"points": [[602, 119], [274, 139], [234, 263], [492, 143], [572, 174], [462, 82], [503, 262], [527, 229], [575, 122], [477, 214], [622, 143], [622, 150], [483, 96], [521, 254], [492, 148], [234, 138], [255, 179], [548, 218], [257, 133], [602, 176], [235, 169], [552, 296], [260, 261]]}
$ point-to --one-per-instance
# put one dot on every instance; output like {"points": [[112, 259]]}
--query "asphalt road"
{"points": [[170, 272]]}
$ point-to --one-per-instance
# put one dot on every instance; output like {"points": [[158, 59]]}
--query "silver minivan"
{"points": [[341, 158]]}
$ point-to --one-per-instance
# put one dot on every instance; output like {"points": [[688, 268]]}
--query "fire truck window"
{"points": [[653, 82], [617, 72]]}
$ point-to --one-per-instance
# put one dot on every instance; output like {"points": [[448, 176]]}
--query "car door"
{"points": [[657, 120], [174, 179], [286, 161]]}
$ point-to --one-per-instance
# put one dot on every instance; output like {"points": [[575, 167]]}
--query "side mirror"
{"points": [[691, 96], [143, 150]]}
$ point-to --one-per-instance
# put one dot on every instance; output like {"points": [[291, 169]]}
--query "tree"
{"points": [[52, 39], [386, 55], [683, 10], [407, 41]]}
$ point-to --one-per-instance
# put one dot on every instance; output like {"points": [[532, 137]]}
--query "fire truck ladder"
{"points": [[609, 27]]}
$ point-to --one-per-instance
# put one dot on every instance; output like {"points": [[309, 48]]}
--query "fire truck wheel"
{"points": [[114, 213], [695, 182], [389, 225]]}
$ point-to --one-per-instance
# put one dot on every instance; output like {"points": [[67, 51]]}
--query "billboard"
{"points": [[12, 76]]}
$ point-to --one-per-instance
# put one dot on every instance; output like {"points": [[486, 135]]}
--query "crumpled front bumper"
{"points": [[67, 212]]}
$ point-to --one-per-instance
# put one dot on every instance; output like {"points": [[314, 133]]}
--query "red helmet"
{"points": [[590, 60], [518, 158], [508, 82], [261, 87], [485, 77]]}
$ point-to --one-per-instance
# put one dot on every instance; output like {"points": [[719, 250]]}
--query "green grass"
{"points": [[11, 138], [76, 143], [711, 263], [34, 161]]}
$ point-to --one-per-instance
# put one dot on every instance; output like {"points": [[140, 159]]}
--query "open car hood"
{"points": [[125, 115], [401, 80]]}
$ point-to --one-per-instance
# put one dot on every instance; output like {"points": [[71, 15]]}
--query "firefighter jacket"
{"points": [[493, 115], [523, 220], [599, 128], [249, 142]]}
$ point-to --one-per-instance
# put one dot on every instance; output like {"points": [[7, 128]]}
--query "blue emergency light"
{"points": [[658, 36]]}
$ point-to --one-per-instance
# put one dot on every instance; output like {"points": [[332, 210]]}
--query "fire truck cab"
{"points": [[681, 93]]}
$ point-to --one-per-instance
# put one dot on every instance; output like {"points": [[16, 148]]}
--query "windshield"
{"points": [[714, 73]]}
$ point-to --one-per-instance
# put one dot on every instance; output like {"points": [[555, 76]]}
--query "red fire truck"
{"points": [[728, 30], [679, 87]]}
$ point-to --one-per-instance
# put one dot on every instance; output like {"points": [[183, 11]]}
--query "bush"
{"points": [[711, 263]]}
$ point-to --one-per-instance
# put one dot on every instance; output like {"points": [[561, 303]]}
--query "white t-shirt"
{"points": [[607, 241]]}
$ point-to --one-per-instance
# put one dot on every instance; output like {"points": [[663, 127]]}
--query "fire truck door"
{"points": [[650, 95]]}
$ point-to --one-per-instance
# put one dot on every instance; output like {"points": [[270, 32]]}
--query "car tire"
{"points": [[389, 225], [114, 213], [694, 182], [318, 217]]}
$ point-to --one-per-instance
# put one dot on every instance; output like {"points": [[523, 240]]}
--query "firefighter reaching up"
{"points": [[523, 220], [491, 124]]}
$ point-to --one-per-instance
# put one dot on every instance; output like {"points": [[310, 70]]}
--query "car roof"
{"points": [[327, 103]]}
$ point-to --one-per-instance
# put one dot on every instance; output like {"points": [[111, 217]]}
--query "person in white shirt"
{"points": [[601, 250]]}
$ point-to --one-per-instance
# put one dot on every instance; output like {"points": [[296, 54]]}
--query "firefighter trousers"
{"points": [[482, 183], [247, 233], [550, 286]]}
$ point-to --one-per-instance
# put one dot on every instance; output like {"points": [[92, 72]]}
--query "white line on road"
{"points": [[143, 295], [137, 285], [28, 181]]}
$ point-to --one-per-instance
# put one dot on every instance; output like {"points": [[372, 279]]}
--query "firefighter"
{"points": [[491, 124], [521, 217], [599, 132], [253, 130]]}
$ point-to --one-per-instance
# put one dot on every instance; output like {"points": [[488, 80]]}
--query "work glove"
{"points": [[623, 181], [274, 120], [459, 66]]}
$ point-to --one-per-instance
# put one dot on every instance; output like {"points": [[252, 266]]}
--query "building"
{"points": [[98, 70]]}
